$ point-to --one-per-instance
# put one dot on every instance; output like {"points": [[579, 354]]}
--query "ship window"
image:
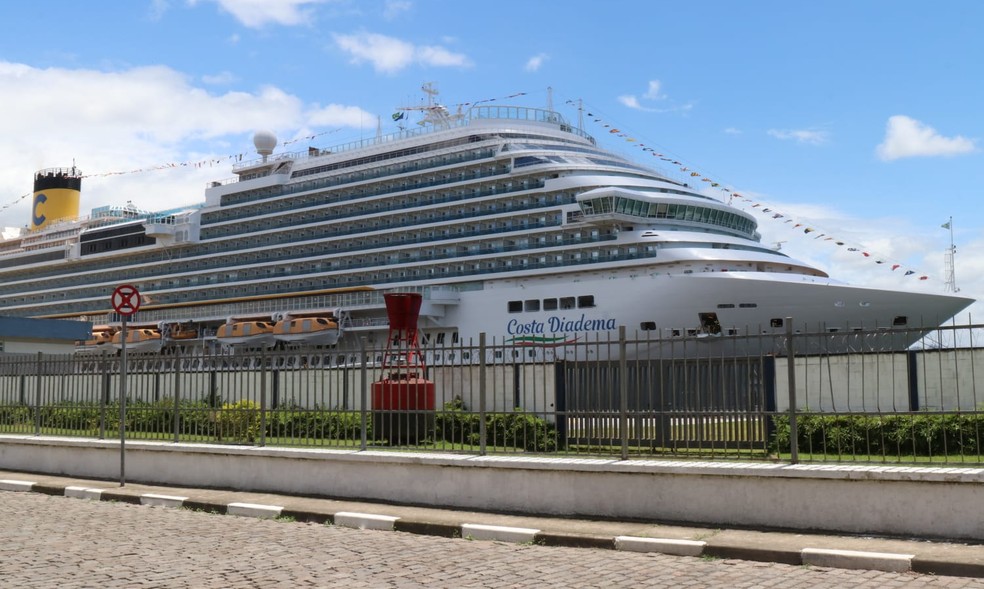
{"points": [[532, 305], [900, 320], [515, 306], [776, 322], [567, 303], [549, 304], [440, 339], [726, 306], [585, 301], [648, 326], [747, 305]]}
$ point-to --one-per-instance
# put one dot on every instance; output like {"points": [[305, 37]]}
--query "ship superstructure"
{"points": [[508, 219]]}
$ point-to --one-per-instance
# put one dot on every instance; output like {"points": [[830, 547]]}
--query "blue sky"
{"points": [[858, 119]]}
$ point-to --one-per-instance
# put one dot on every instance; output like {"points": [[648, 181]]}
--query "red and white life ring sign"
{"points": [[126, 299]]}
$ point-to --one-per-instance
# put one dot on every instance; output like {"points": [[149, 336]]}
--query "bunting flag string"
{"points": [[211, 162], [694, 174]]}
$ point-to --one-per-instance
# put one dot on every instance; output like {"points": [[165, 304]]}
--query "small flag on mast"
{"points": [[399, 116]]}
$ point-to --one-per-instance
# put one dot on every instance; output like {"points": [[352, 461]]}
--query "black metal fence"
{"points": [[795, 396]]}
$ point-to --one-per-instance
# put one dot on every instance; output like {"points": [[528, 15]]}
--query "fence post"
{"points": [[263, 396], [363, 393], [37, 398], [623, 393], [482, 433], [177, 396], [791, 374]]}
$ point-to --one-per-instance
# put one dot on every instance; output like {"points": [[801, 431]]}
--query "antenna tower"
{"points": [[951, 252]]}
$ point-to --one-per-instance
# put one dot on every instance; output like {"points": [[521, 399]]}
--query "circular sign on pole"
{"points": [[126, 300]]}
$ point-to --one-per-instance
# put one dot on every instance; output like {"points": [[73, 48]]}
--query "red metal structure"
{"points": [[403, 401]]}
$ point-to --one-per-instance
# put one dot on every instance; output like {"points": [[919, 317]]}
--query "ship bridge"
{"points": [[617, 206]]}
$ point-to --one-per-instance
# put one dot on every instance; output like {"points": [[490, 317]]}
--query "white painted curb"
{"points": [[20, 486], [853, 559], [661, 545], [365, 521], [500, 533], [84, 493], [162, 500], [254, 510]]}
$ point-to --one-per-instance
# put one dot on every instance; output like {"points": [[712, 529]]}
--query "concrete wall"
{"points": [[920, 502]]}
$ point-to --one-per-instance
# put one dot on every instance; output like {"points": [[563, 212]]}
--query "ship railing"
{"points": [[477, 112]]}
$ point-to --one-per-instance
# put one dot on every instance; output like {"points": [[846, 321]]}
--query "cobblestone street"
{"points": [[50, 541]]}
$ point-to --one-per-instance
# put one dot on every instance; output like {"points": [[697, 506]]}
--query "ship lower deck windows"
{"points": [[776, 322], [515, 306], [531, 305], [647, 326], [900, 321], [586, 301]]}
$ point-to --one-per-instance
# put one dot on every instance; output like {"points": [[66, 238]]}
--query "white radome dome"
{"points": [[264, 141]]}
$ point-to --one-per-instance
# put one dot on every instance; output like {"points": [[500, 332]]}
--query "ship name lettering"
{"points": [[558, 325], [564, 325]]}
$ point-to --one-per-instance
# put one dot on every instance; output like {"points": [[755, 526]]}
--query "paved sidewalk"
{"points": [[899, 555]]}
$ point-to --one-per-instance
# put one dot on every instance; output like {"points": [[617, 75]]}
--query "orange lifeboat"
{"points": [[313, 330], [252, 334], [140, 339], [100, 342], [182, 332]]}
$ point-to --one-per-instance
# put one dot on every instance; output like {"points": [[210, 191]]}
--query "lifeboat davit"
{"points": [[140, 339], [317, 331], [101, 341], [252, 334]]}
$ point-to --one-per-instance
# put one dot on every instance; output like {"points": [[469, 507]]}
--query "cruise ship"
{"points": [[509, 221]]}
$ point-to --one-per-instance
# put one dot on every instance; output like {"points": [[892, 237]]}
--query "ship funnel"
{"points": [[57, 193]]}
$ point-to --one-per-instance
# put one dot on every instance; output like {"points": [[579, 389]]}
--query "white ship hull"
{"points": [[663, 312]]}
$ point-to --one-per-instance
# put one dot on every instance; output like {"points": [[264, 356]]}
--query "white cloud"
{"points": [[137, 119], [907, 137], [157, 9], [389, 54], [534, 63], [653, 92], [631, 102], [732, 131], [395, 8], [219, 79], [811, 136], [339, 115], [257, 13]]}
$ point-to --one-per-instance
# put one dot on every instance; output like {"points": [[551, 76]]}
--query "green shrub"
{"points": [[16, 415], [67, 415], [321, 424], [921, 434], [518, 429], [238, 421]]}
